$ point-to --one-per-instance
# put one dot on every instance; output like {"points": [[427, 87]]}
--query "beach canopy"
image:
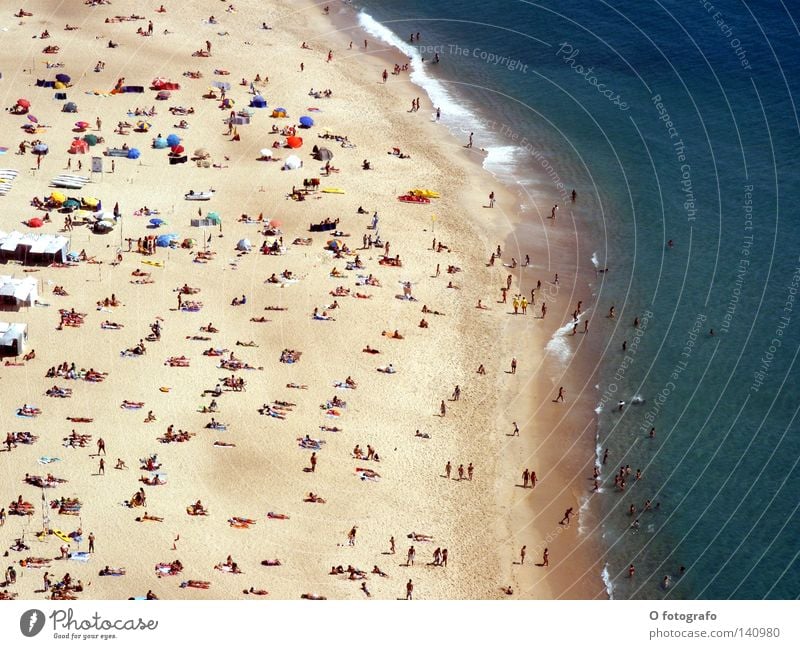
{"points": [[294, 142], [265, 154], [323, 154], [157, 222], [134, 153], [63, 78], [70, 107], [292, 162], [160, 143], [306, 121], [215, 218], [79, 146], [173, 140], [244, 245], [258, 102], [24, 103], [164, 240]]}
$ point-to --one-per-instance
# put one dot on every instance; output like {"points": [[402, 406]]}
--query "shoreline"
{"points": [[509, 232]]}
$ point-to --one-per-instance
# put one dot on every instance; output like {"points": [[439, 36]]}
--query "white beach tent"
{"points": [[13, 336], [16, 293]]}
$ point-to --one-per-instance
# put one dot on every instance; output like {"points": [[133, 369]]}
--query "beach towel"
{"points": [[48, 460], [82, 557]]}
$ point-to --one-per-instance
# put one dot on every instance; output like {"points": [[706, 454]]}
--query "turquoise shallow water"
{"points": [[675, 121]]}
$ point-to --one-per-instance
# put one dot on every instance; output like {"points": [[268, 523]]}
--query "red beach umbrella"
{"points": [[82, 125], [24, 103], [294, 142], [275, 223], [35, 223], [178, 148]]}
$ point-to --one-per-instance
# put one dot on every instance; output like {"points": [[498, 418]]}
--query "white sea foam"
{"points": [[606, 577]]}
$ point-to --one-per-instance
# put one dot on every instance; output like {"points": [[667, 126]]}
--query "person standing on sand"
{"points": [[101, 446], [515, 303], [503, 293], [545, 558], [91, 541], [444, 558], [560, 396], [447, 469], [514, 365], [491, 199], [460, 471], [525, 477], [516, 429], [586, 326], [544, 310], [410, 556], [351, 536], [438, 114], [533, 479], [567, 515], [385, 76], [522, 555], [391, 545], [410, 590], [101, 470], [457, 393], [313, 462], [470, 471], [469, 144], [442, 409]]}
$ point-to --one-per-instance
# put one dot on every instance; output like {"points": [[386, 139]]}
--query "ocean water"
{"points": [[675, 120]]}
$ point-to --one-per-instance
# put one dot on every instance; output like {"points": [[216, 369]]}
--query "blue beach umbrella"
{"points": [[173, 140], [133, 154], [160, 143], [156, 222], [306, 121]]}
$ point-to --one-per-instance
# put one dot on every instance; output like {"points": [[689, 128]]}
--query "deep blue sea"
{"points": [[675, 120]]}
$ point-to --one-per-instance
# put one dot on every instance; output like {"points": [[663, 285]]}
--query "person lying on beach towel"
{"points": [[389, 369], [61, 393], [147, 517], [392, 334], [177, 361], [276, 516], [131, 405], [170, 569], [314, 498], [197, 509], [297, 386], [195, 583], [271, 562], [112, 572], [155, 481], [107, 324], [347, 384], [254, 591]]}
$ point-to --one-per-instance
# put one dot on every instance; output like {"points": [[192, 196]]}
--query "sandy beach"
{"points": [[251, 454]]}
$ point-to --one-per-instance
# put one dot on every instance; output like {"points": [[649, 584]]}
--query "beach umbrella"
{"points": [[90, 139], [158, 82], [143, 126], [222, 85], [215, 218], [244, 245], [133, 154], [63, 78], [24, 103], [258, 102], [35, 223], [157, 222], [281, 110], [58, 197], [91, 201], [292, 162], [70, 107], [266, 154], [33, 118], [164, 240], [82, 126], [275, 223], [40, 149], [306, 121], [323, 154], [159, 143], [72, 202], [294, 142], [173, 140], [177, 149], [201, 153], [189, 243]]}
